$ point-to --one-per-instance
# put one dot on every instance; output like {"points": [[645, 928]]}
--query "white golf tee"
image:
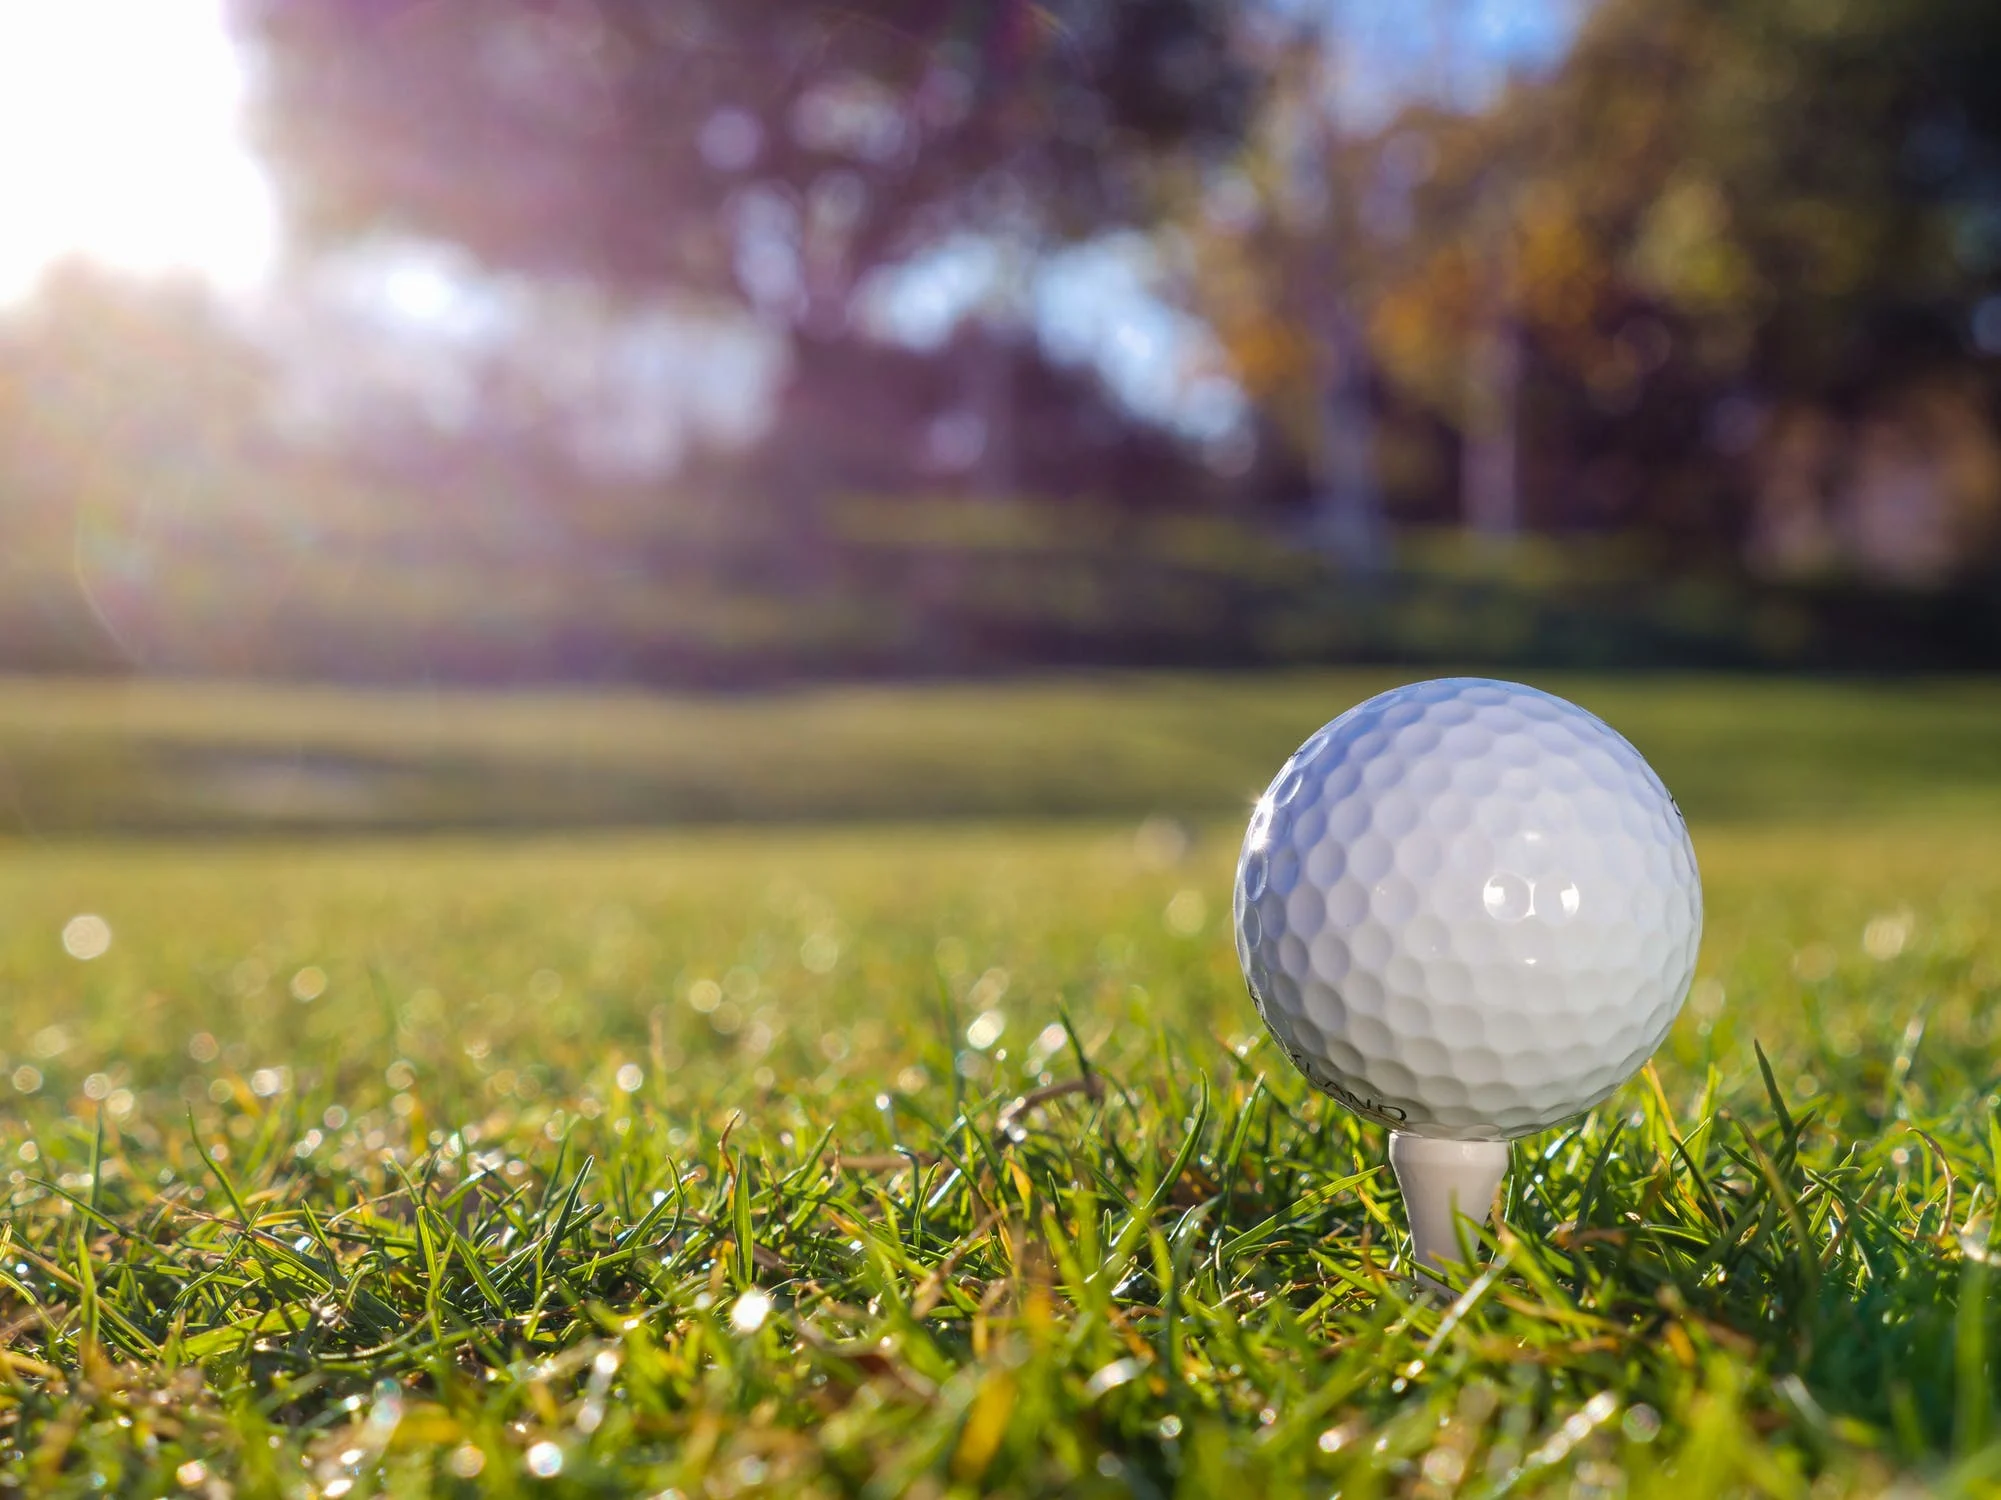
{"points": [[1442, 1180]]}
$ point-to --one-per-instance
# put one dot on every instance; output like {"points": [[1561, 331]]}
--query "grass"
{"points": [[949, 1158], [108, 756]]}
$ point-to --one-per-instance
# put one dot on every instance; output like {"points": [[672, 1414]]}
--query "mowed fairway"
{"points": [[950, 1158]]}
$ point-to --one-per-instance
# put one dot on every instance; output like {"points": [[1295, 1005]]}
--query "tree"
{"points": [[1711, 210], [130, 412], [1274, 235], [768, 153], [761, 149], [1598, 281]]}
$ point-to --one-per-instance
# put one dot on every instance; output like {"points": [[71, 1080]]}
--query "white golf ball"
{"points": [[1468, 909]]}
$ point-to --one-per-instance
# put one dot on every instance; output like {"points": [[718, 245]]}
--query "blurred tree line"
{"points": [[1684, 350]]}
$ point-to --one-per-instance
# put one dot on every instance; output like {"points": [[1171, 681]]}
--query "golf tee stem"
{"points": [[1442, 1180]]}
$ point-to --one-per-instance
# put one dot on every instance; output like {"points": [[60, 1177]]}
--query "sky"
{"points": [[134, 155], [1460, 51], [128, 153]]}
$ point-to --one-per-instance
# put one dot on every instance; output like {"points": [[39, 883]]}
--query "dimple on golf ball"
{"points": [[1468, 909]]}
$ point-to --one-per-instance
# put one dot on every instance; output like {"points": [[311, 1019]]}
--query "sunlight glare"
{"points": [[120, 142]]}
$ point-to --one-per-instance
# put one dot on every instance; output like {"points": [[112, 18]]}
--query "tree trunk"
{"points": [[1348, 504], [1488, 468], [994, 475]]}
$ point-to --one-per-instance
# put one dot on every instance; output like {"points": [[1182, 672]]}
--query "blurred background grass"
{"points": [[721, 961], [84, 756]]}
